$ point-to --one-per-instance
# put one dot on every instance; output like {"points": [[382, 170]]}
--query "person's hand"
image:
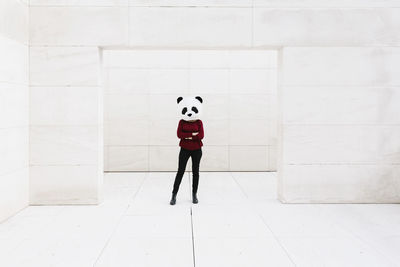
{"points": [[195, 133]]}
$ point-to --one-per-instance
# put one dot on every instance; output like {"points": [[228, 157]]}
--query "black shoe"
{"points": [[173, 199], [194, 197]]}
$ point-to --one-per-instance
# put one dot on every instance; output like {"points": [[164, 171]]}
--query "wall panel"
{"points": [[339, 125]]}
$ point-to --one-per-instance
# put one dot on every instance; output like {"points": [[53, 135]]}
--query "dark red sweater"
{"points": [[185, 129]]}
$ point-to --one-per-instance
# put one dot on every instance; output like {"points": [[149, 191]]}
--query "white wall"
{"points": [[328, 47], [239, 91], [341, 124], [66, 117], [66, 125], [14, 101]]}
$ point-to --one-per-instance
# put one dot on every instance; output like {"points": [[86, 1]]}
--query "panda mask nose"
{"points": [[190, 114]]}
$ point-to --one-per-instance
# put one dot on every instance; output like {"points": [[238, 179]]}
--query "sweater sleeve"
{"points": [[201, 132], [181, 134]]}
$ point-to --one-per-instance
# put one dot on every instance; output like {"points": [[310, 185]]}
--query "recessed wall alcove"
{"points": [[239, 88]]}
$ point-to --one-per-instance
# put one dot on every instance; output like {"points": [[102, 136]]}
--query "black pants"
{"points": [[184, 155]]}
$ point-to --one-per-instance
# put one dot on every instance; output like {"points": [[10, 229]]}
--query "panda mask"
{"points": [[190, 108]]}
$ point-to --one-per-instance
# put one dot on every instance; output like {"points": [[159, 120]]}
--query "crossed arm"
{"points": [[191, 135]]}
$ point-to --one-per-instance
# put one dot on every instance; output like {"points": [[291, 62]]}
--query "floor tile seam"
{"points": [[268, 227], [119, 221]]}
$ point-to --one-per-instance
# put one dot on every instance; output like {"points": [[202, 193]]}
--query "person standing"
{"points": [[190, 132]]}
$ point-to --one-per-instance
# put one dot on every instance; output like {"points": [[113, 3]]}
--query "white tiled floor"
{"points": [[237, 223]]}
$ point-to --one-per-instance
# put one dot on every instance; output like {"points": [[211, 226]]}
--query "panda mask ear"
{"points": [[179, 99], [200, 99]]}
